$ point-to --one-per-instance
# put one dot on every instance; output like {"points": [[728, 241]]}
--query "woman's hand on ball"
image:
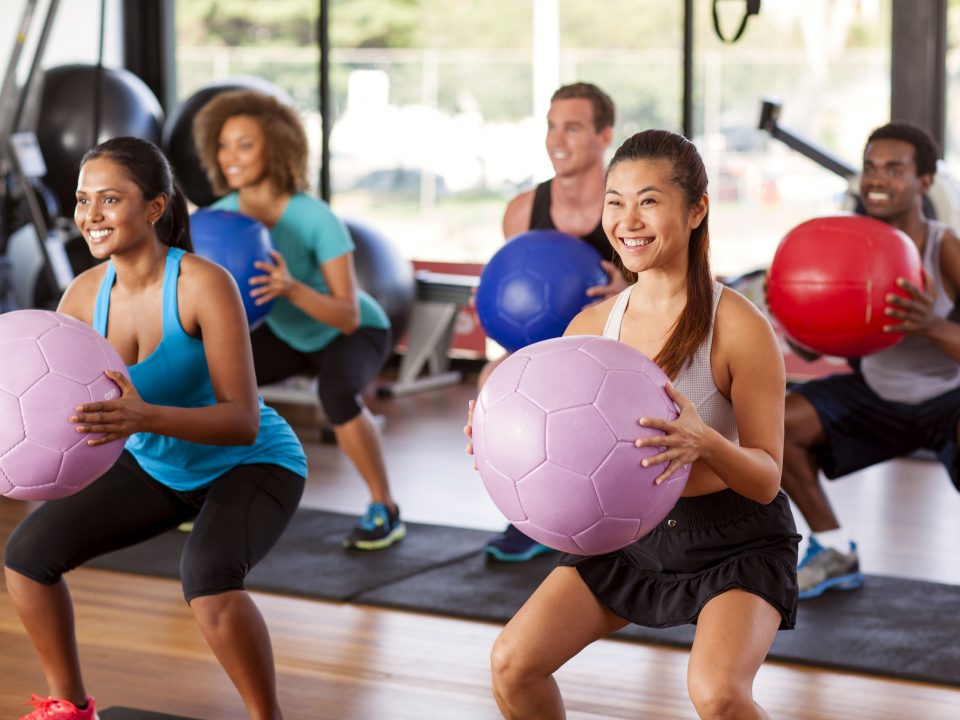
{"points": [[617, 283], [115, 419], [278, 282], [683, 438], [915, 312]]}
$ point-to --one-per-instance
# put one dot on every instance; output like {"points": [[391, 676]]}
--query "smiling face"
{"points": [[111, 211], [646, 216], [889, 186], [573, 142], [242, 152]]}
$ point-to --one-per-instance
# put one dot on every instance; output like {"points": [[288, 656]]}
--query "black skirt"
{"points": [[705, 546]]}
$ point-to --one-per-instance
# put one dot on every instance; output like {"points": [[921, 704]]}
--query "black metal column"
{"points": [[918, 53], [326, 115], [148, 48]]}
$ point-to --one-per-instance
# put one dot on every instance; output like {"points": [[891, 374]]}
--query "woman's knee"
{"points": [[34, 557], [716, 697], [510, 665], [201, 578]]}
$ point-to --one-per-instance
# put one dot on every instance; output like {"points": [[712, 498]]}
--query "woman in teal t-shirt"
{"points": [[254, 150]]}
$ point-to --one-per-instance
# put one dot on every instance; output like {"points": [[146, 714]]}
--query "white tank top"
{"points": [[695, 379], [915, 369]]}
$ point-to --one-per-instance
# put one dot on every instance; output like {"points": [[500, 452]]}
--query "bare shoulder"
{"points": [[80, 297], [516, 218], [199, 272], [592, 319], [741, 322], [950, 261]]}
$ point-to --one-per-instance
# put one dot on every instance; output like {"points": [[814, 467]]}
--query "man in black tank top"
{"points": [[579, 130]]}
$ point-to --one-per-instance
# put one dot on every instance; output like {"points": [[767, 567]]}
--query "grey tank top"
{"points": [[915, 369], [695, 379]]}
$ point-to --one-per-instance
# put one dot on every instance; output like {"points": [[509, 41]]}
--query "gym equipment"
{"points": [[32, 245], [234, 241], [53, 363], [828, 280], [177, 141], [82, 105], [553, 437], [534, 285], [383, 273]]}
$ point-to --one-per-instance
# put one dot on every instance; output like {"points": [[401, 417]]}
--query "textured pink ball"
{"points": [[51, 364], [553, 436]]}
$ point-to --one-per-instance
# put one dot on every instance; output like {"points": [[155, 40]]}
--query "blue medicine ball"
{"points": [[534, 286], [234, 241]]}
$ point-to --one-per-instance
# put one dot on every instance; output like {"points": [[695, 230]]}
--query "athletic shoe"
{"points": [[825, 569], [379, 528], [53, 709], [513, 546]]}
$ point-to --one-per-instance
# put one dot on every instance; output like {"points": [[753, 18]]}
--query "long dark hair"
{"points": [[688, 174], [149, 169]]}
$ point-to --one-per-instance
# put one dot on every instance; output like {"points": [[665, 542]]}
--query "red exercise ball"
{"points": [[828, 280]]}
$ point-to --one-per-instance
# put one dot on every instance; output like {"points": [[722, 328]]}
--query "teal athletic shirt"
{"points": [[175, 374], [308, 234]]}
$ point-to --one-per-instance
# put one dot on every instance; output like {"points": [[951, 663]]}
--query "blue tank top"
{"points": [[175, 374]]}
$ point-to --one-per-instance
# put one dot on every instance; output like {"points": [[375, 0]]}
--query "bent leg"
{"points": [[560, 619], [801, 473], [237, 633], [243, 515], [360, 440], [46, 612], [734, 634]]}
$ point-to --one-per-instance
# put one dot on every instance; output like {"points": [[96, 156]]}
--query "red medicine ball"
{"points": [[828, 279]]}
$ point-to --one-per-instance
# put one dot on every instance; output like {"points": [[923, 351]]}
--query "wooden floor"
{"points": [[346, 662]]}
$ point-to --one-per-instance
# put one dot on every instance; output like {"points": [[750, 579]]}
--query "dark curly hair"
{"points": [[286, 140], [925, 149]]}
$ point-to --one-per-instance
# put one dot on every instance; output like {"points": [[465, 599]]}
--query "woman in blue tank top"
{"points": [[200, 443]]}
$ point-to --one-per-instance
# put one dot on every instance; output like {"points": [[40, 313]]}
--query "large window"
{"points": [[828, 63], [439, 106], [74, 37]]}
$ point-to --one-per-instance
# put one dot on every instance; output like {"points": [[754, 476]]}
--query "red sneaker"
{"points": [[54, 709]]}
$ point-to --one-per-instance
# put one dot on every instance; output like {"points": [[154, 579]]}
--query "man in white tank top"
{"points": [[898, 400]]}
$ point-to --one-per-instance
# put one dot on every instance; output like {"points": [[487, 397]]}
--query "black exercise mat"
{"points": [[125, 713], [891, 627], [310, 560]]}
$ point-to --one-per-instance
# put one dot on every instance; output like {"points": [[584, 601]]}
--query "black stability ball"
{"points": [[178, 133], [71, 120], [384, 273]]}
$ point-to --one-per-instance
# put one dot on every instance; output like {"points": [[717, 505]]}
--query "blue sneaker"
{"points": [[379, 528], [513, 546], [825, 569]]}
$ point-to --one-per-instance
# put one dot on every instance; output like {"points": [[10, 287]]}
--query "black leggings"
{"points": [[344, 368], [237, 519]]}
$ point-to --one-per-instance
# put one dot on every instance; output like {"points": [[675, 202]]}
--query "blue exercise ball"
{"points": [[234, 241], [534, 286]]}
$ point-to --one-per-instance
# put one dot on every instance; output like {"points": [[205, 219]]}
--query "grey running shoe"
{"points": [[825, 569]]}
